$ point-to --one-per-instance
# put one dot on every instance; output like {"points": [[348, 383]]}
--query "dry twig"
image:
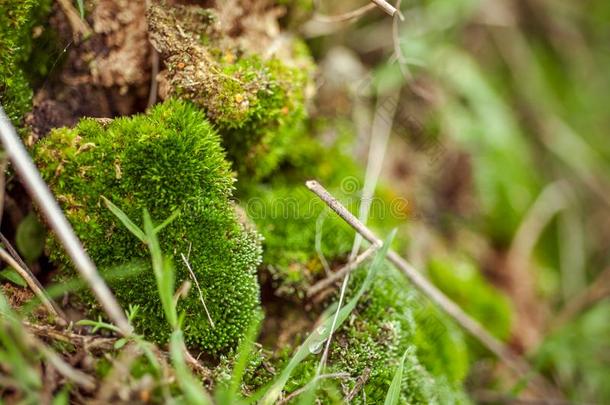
{"points": [[598, 290], [301, 390], [386, 7], [380, 133], [349, 16], [360, 382], [87, 342], [188, 266]]}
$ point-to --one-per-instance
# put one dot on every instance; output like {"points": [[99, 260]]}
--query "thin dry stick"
{"points": [[87, 342], [154, 83], [41, 194], [400, 57], [188, 266], [385, 6], [380, 133], [63, 368], [11, 250], [3, 164], [598, 290], [550, 201], [512, 360], [348, 268], [35, 286], [359, 384]]}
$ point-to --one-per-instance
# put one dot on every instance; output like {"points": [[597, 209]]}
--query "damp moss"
{"points": [[169, 160]]}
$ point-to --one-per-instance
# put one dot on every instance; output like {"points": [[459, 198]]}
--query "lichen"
{"points": [[165, 161]]}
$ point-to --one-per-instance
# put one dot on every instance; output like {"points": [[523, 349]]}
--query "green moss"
{"points": [[17, 19], [390, 320], [272, 105], [169, 159], [286, 215], [464, 284], [256, 103], [290, 217], [298, 226]]}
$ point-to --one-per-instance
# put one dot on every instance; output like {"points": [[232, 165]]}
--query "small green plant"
{"points": [[169, 162], [393, 395]]}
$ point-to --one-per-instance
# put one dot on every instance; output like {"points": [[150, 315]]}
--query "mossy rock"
{"points": [[165, 161]]}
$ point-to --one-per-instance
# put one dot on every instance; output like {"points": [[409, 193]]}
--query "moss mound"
{"points": [[255, 101], [17, 19], [165, 161]]}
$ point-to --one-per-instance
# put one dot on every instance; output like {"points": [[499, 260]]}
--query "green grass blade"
{"points": [[168, 221], [128, 223], [192, 389], [163, 270], [319, 336], [393, 395], [81, 8], [11, 275], [245, 348]]}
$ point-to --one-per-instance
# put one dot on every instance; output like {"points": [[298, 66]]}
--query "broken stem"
{"points": [[385, 6], [78, 24]]}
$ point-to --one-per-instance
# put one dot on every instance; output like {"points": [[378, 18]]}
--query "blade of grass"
{"points": [[81, 8], [191, 388], [245, 348], [168, 221], [128, 223], [393, 395], [163, 270]]}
